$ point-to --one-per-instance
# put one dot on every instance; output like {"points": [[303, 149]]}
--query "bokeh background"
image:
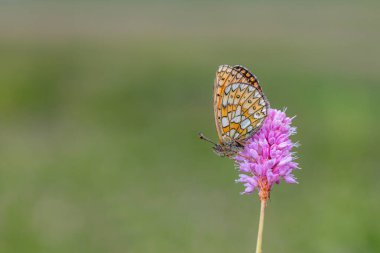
{"points": [[101, 102]]}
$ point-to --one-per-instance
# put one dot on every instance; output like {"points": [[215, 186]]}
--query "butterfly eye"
{"points": [[249, 101], [238, 96]]}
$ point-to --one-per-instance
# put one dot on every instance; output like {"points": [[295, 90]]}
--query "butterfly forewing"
{"points": [[240, 106]]}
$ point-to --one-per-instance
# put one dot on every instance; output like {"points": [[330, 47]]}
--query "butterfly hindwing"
{"points": [[224, 76], [240, 106]]}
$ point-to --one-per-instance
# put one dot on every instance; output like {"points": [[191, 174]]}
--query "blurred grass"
{"points": [[100, 105]]}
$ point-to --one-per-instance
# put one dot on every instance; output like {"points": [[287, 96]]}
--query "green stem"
{"points": [[261, 227]]}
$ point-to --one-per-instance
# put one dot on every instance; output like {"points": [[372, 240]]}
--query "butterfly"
{"points": [[240, 108]]}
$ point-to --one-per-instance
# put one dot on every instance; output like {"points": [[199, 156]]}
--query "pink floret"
{"points": [[267, 155]]}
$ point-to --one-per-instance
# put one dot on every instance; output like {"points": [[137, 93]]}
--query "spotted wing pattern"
{"points": [[240, 106]]}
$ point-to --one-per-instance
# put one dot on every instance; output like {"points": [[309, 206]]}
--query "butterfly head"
{"points": [[227, 148]]}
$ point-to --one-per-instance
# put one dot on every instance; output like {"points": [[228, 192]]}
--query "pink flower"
{"points": [[267, 155]]}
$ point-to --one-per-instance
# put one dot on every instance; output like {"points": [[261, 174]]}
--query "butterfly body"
{"points": [[240, 108]]}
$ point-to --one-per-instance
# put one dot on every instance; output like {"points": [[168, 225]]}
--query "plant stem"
{"points": [[261, 227]]}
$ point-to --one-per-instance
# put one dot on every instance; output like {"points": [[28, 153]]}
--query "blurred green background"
{"points": [[101, 102]]}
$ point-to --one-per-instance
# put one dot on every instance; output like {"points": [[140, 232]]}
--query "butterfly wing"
{"points": [[240, 106]]}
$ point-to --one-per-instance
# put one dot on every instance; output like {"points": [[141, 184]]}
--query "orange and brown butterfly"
{"points": [[240, 108]]}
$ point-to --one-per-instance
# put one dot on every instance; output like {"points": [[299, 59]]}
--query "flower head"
{"points": [[267, 155]]}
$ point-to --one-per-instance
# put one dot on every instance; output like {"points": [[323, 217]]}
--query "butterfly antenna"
{"points": [[202, 137]]}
